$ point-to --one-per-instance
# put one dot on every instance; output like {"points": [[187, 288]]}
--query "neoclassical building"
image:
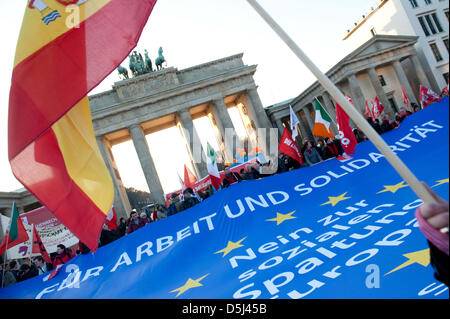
{"points": [[170, 97], [380, 67]]}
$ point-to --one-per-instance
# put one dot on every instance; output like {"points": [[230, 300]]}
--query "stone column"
{"points": [[357, 94], [421, 75], [147, 164], [121, 203], [224, 123], [404, 82], [302, 126], [259, 117], [258, 109], [310, 122], [280, 126], [195, 147], [380, 92]]}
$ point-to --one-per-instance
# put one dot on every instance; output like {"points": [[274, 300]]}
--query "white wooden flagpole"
{"points": [[359, 120]]}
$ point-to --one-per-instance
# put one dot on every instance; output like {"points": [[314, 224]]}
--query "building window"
{"points": [[445, 77], [427, 1], [424, 26], [413, 3], [436, 52], [430, 24], [446, 43], [436, 21], [382, 81], [446, 14]]}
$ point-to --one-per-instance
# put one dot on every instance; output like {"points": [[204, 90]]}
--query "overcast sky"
{"points": [[197, 31]]}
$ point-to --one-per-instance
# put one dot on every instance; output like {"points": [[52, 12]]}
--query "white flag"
{"points": [[294, 121]]}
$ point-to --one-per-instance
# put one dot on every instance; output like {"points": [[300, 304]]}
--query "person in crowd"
{"points": [[189, 199], [175, 204], [159, 213], [321, 147], [135, 222], [281, 163], [82, 248], [8, 277], [375, 125], [203, 195], [122, 228], [144, 218], [387, 124], [359, 135], [63, 255], [41, 265], [400, 116], [27, 272], [107, 236], [230, 177], [244, 175], [331, 149], [433, 222], [311, 155], [415, 107], [13, 267]]}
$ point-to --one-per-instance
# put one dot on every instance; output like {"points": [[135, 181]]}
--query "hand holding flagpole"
{"points": [[359, 120]]}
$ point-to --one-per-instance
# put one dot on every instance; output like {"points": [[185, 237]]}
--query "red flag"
{"points": [[348, 139], [405, 98], [368, 111], [378, 108], [444, 91], [38, 246], [111, 219], [288, 147], [427, 96], [23, 237], [189, 177]]}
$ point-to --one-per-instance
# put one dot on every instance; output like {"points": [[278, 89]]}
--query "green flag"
{"points": [[13, 230]]}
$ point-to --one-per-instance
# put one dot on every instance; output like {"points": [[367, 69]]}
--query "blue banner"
{"points": [[335, 230]]}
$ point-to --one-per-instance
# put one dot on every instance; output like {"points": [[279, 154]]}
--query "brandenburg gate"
{"points": [[169, 97]]}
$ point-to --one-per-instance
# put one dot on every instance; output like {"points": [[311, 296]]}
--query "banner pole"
{"points": [[359, 120], [6, 257]]}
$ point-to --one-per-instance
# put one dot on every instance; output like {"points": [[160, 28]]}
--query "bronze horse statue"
{"points": [[123, 72], [160, 59]]}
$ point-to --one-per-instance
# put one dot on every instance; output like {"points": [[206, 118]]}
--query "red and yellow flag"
{"points": [[52, 146]]}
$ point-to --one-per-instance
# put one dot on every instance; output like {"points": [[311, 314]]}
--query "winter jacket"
{"points": [[62, 259]]}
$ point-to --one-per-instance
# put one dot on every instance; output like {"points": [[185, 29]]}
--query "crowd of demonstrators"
{"points": [[325, 149]]}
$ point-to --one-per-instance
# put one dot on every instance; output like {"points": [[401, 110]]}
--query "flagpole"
{"points": [[359, 120], [6, 257]]}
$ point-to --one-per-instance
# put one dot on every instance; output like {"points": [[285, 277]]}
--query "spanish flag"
{"points": [[51, 143]]}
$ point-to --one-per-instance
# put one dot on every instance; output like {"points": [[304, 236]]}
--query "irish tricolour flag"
{"points": [[322, 122], [213, 171]]}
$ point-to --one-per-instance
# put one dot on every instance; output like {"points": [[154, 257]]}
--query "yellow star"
{"points": [[189, 285], [421, 257], [442, 181], [393, 188], [334, 200], [231, 246], [282, 217]]}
